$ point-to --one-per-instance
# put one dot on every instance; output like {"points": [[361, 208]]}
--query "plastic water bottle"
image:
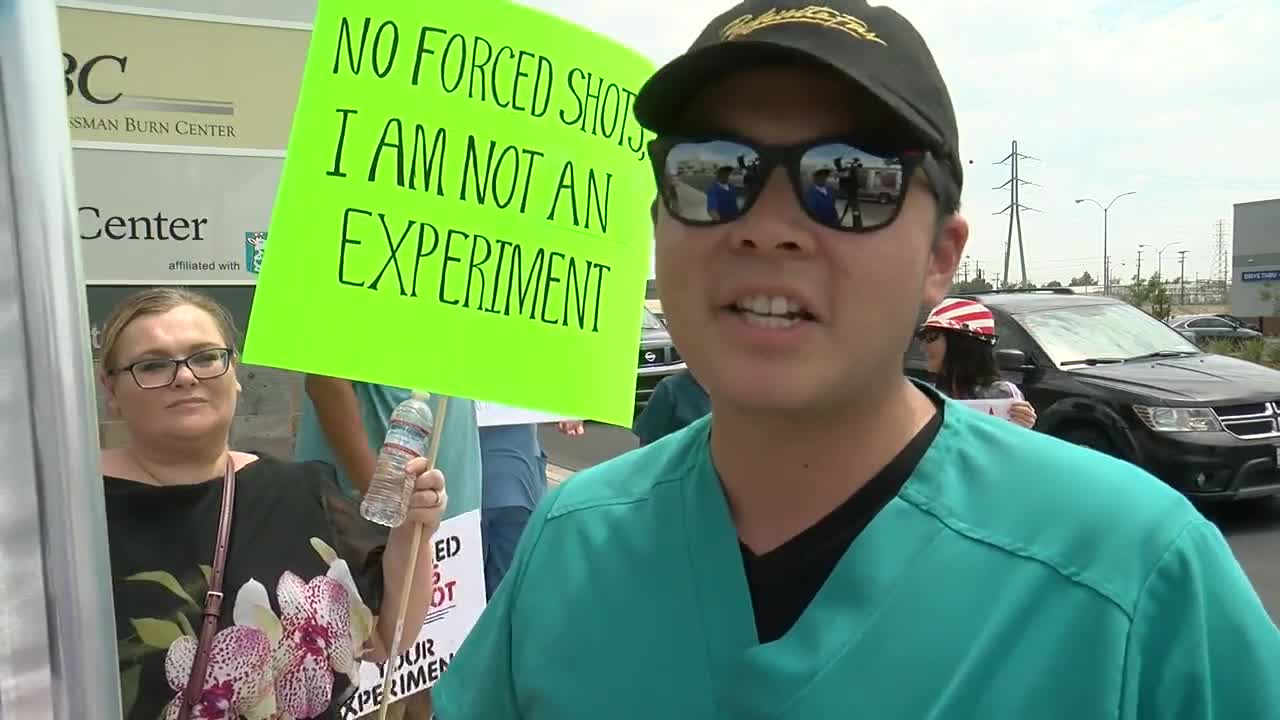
{"points": [[408, 434]]}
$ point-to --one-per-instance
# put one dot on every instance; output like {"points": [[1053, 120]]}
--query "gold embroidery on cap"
{"points": [[813, 14]]}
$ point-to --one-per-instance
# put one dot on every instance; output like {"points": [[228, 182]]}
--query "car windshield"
{"points": [[651, 321], [1102, 333]]}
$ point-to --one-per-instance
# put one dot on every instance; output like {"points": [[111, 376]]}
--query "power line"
{"points": [[1014, 209]]}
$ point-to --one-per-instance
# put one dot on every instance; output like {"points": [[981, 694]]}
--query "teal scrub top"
{"points": [[677, 401], [1013, 577], [459, 454]]}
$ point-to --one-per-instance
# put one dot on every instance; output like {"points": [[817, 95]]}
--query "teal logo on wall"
{"points": [[255, 243]]}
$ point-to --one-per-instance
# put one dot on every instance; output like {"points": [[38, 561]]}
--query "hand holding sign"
{"points": [[474, 169], [572, 428], [1022, 413]]}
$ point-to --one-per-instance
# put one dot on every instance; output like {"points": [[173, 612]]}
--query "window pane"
{"points": [[1101, 331]]}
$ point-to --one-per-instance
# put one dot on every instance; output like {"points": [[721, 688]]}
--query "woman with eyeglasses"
{"points": [[959, 340], [304, 574]]}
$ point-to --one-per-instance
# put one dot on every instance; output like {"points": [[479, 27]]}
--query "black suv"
{"points": [[1104, 374], [658, 358]]}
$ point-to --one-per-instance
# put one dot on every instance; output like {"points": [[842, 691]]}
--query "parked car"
{"points": [[1212, 327], [658, 358], [1104, 374], [1248, 324]]}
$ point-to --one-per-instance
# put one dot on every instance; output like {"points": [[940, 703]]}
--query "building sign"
{"points": [[1259, 275], [172, 219], [153, 80]]}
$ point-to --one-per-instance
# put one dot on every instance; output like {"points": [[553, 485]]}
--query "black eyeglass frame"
{"points": [[789, 157], [229, 355]]}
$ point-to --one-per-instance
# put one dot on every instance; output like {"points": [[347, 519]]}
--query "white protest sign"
{"points": [[998, 408], [456, 604], [491, 414]]}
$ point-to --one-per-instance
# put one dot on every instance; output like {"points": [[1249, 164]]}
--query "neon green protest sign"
{"points": [[463, 209]]}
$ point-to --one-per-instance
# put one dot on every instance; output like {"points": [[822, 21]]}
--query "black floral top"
{"points": [[303, 572]]}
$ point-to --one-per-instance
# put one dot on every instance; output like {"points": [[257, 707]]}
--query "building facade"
{"points": [[1255, 261]]}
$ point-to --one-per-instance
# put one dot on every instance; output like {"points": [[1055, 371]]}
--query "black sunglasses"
{"points": [[841, 183], [928, 334]]}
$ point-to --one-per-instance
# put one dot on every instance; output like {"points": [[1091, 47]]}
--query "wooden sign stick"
{"points": [[437, 427]]}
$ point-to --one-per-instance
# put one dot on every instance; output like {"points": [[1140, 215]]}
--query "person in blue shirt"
{"points": [[835, 541], [515, 479], [722, 199], [822, 200]]}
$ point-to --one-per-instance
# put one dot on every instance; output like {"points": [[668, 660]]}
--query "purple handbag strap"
{"points": [[212, 599]]}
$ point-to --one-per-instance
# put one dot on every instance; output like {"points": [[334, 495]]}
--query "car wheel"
{"points": [[1092, 438]]}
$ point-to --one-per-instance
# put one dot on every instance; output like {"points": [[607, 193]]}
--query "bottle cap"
{"points": [[421, 395]]}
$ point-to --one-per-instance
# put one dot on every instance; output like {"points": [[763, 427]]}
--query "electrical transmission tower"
{"points": [[1014, 209], [1221, 256]]}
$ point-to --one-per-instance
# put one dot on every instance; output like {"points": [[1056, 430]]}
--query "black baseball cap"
{"points": [[874, 47]]}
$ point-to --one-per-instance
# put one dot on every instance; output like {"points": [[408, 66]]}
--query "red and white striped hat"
{"points": [[964, 316]]}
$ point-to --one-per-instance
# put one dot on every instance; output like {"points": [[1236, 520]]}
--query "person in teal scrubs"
{"points": [[344, 422], [677, 401], [834, 540]]}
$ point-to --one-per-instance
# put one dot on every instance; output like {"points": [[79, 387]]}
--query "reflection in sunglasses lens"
{"points": [[851, 188], [710, 181]]}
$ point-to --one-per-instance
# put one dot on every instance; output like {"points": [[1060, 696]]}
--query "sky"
{"points": [[1175, 100]]}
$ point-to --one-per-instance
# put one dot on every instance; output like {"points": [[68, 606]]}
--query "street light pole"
{"points": [[1160, 263], [1106, 257], [1106, 264], [1140, 248], [1160, 258], [1182, 276]]}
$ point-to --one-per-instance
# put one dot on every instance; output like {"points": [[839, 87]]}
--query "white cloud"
{"points": [[1175, 99]]}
